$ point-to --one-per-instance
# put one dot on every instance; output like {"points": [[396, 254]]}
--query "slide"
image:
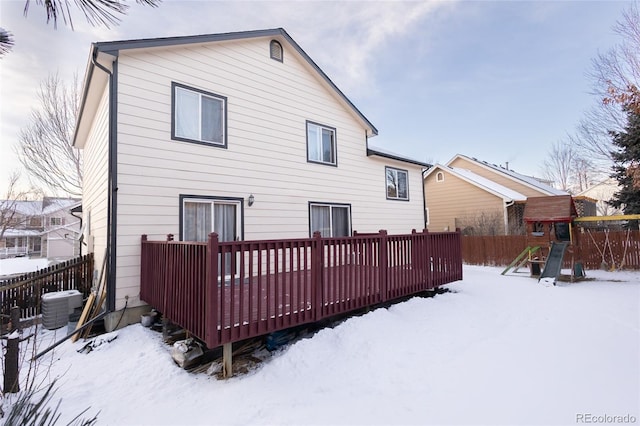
{"points": [[553, 265]]}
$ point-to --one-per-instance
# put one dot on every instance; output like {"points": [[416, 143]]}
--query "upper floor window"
{"points": [[331, 220], [198, 116], [439, 177], [397, 184], [321, 144], [275, 50], [55, 221]]}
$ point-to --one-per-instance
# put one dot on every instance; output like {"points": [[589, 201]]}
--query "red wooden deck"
{"points": [[265, 286]]}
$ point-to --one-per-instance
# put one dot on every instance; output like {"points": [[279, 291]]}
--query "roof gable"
{"points": [[105, 52]]}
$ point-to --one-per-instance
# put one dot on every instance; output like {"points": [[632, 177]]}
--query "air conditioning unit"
{"points": [[57, 306]]}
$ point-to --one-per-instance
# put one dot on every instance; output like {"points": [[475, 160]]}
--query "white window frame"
{"points": [[212, 201], [439, 177], [175, 87], [395, 172], [318, 144], [331, 208]]}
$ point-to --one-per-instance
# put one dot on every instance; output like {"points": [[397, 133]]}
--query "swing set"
{"points": [[606, 249]]}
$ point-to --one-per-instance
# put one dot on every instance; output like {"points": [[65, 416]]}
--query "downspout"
{"points": [[112, 182], [424, 200], [81, 238], [507, 204]]}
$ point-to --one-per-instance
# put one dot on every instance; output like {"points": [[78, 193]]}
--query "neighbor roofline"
{"points": [[451, 170], [496, 169]]}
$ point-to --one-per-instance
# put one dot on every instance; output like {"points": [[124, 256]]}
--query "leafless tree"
{"points": [[12, 196], [583, 174], [482, 223], [45, 145], [558, 165]]}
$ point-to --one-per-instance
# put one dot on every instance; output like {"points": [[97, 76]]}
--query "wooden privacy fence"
{"points": [[26, 290], [620, 249], [223, 292]]}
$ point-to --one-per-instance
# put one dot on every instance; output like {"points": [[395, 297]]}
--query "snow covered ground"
{"points": [[496, 350], [19, 265]]}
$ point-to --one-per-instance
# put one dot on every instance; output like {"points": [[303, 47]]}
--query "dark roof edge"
{"points": [[112, 47], [371, 152]]}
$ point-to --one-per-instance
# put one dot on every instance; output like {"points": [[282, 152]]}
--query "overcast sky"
{"points": [[500, 81]]}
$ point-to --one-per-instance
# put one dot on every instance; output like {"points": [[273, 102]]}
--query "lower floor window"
{"points": [[200, 217], [331, 220]]}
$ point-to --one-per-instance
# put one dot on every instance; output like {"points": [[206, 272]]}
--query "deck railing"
{"points": [[223, 292]]}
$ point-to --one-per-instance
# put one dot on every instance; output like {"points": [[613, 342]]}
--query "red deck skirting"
{"points": [[223, 292]]}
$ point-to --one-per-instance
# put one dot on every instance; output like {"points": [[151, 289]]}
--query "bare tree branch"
{"points": [[45, 145]]}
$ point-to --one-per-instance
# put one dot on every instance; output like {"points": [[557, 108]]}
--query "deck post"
{"points": [[317, 263], [383, 263], [211, 308], [169, 237], [227, 360]]}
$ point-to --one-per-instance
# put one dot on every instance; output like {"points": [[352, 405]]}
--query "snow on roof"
{"points": [[529, 180], [45, 206], [25, 208], [10, 232], [53, 205], [481, 182]]}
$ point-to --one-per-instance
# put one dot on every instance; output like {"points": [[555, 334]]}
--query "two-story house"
{"points": [[241, 134], [41, 228]]}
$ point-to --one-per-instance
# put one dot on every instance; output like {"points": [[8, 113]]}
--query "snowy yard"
{"points": [[496, 350]]}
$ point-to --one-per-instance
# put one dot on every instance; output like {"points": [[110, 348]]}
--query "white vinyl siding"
{"points": [[95, 183], [269, 103]]}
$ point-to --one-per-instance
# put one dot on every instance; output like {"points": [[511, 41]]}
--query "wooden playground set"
{"points": [[553, 234]]}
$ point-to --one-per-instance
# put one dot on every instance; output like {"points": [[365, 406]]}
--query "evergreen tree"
{"points": [[627, 163]]}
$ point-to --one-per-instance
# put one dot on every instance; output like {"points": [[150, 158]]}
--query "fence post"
{"points": [[211, 303], [169, 237], [317, 264], [11, 372], [382, 264]]}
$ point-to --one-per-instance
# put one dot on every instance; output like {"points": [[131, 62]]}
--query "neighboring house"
{"points": [[42, 228], [479, 197], [602, 192], [240, 134]]}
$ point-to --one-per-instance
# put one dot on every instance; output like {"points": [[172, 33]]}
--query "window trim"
{"points": [[439, 177], [211, 199], [335, 143], [174, 87], [328, 204], [386, 192], [276, 43]]}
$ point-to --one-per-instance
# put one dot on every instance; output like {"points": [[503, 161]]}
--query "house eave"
{"points": [[373, 152]]}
